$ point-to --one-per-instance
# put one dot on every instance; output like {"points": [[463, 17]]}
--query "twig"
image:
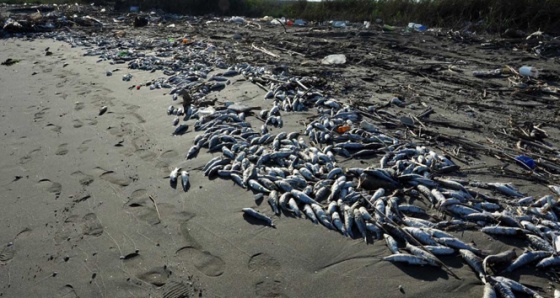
{"points": [[155, 205], [264, 51]]}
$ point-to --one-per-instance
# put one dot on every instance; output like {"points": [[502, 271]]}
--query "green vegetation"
{"points": [[489, 15]]}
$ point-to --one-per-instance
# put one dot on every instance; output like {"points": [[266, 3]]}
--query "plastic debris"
{"points": [[334, 59]]}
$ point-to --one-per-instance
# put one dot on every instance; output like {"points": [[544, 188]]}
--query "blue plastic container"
{"points": [[527, 161]]}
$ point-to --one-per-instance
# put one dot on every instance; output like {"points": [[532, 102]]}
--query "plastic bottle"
{"points": [[528, 71], [417, 27]]}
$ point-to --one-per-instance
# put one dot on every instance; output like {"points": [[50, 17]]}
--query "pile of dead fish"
{"points": [[299, 174], [300, 179]]}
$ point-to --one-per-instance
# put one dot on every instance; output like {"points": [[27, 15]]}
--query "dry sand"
{"points": [[77, 219]]}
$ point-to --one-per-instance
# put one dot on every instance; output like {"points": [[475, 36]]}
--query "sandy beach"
{"points": [[87, 209]]}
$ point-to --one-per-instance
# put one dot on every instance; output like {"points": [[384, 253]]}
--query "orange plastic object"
{"points": [[343, 128]]}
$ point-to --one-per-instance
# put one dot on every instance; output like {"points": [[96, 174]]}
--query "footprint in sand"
{"points": [[140, 142], [40, 115], [9, 250], [112, 177], [77, 123], [85, 179], [268, 266], [204, 261], [145, 155], [78, 106], [193, 253], [269, 288], [156, 276], [174, 289], [122, 130], [62, 149], [48, 185], [67, 291], [264, 263], [139, 118], [163, 167], [54, 127], [91, 121], [84, 147], [169, 154], [27, 158], [91, 225], [142, 207], [68, 230], [7, 253]]}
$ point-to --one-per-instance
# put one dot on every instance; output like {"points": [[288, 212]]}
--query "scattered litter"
{"points": [[528, 71], [334, 59]]}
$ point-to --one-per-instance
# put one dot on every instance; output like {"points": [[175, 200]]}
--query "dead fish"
{"points": [[406, 258], [193, 152], [516, 286], [294, 207], [181, 129], [173, 175], [500, 258], [439, 250], [506, 189], [253, 184], [273, 202], [474, 262], [457, 244], [255, 214], [540, 244], [548, 262], [185, 180], [338, 223], [498, 230], [420, 235], [391, 243], [322, 216], [175, 121], [360, 223], [102, 110], [526, 258], [428, 256], [489, 291], [310, 214], [302, 197]]}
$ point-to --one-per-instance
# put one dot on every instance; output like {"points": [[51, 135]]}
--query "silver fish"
{"points": [[391, 243], [426, 255], [360, 223], [322, 216], [516, 286], [273, 202], [338, 223], [439, 250], [474, 262], [526, 258], [255, 214], [406, 258], [503, 257], [310, 214], [548, 262], [294, 207], [174, 174], [302, 197], [256, 186], [185, 180]]}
